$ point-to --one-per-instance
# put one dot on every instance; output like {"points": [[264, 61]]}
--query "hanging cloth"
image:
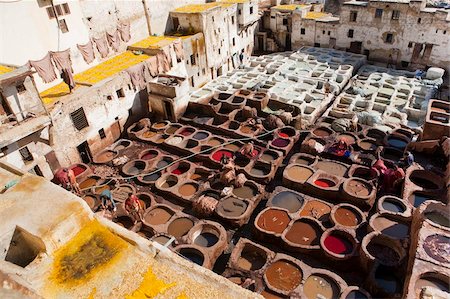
{"points": [[87, 51], [163, 62], [62, 60], [137, 75], [178, 47], [102, 45], [44, 68], [153, 66], [67, 77], [113, 39], [124, 30]]}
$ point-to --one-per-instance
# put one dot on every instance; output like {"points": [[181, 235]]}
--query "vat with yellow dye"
{"points": [[92, 250]]}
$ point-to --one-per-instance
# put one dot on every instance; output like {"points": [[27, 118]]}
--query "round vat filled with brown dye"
{"points": [[320, 286], [206, 236], [162, 125], [304, 160], [92, 201], [357, 187], [288, 200], [390, 227], [426, 179], [247, 191], [215, 141], [172, 129], [273, 220], [433, 280], [260, 169], [304, 232], [438, 248], [161, 239], [333, 168], [322, 132], [167, 182], [283, 275], [180, 226], [231, 207], [148, 155], [269, 156], [367, 145], [188, 189], [158, 215], [89, 182], [252, 258], [316, 209], [299, 173], [438, 217], [346, 215], [247, 129], [105, 156]]}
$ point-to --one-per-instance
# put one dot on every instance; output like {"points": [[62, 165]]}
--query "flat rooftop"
{"points": [[197, 8], [290, 7], [5, 69], [95, 74]]}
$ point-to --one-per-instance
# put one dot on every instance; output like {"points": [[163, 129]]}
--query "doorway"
{"points": [[85, 153], [169, 111], [332, 43], [288, 42]]}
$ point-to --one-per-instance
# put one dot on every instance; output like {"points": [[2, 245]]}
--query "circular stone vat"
{"points": [[150, 178], [172, 129], [168, 182], [232, 147], [280, 142], [304, 232], [432, 280], [145, 199], [332, 168], [391, 153], [418, 198], [383, 250], [322, 132], [160, 125], [191, 143], [438, 217], [283, 275], [104, 184], [252, 258], [231, 207], [397, 142], [260, 169], [357, 188], [158, 215], [180, 226], [217, 155], [390, 227], [148, 154], [241, 161], [179, 168], [206, 236], [186, 131], [192, 254], [134, 167], [385, 280], [164, 162], [393, 205], [364, 173], [288, 200], [320, 286], [161, 239], [188, 189], [247, 129], [299, 173], [316, 209], [125, 221], [215, 141], [78, 169], [148, 135], [122, 144], [105, 156], [324, 183], [269, 156], [346, 215], [90, 181], [367, 145], [437, 247], [426, 179], [286, 132], [355, 293], [92, 201], [376, 134], [304, 160], [200, 135], [247, 191], [273, 220], [338, 242]]}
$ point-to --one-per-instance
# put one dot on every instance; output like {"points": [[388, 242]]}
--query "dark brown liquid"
{"points": [[284, 275], [158, 216], [303, 233], [179, 227], [346, 217], [232, 207], [273, 220]]}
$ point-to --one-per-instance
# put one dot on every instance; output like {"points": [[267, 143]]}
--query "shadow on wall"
{"points": [[138, 110], [333, 6]]}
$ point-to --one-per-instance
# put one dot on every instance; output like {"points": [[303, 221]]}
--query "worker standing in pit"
{"points": [[108, 202], [133, 207]]}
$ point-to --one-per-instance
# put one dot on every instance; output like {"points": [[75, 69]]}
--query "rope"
{"points": [[180, 159]]}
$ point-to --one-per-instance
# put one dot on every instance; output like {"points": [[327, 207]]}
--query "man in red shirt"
{"points": [[133, 207]]}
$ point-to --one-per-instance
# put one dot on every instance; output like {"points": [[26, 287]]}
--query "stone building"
{"points": [[402, 33]]}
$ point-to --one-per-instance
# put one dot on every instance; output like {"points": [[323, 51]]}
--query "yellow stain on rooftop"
{"points": [[196, 8], [95, 74], [234, 1], [290, 7], [315, 15], [5, 69], [154, 42], [93, 250], [150, 287]]}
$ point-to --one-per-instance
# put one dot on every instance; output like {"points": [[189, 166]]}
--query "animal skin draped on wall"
{"points": [[87, 51]]}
